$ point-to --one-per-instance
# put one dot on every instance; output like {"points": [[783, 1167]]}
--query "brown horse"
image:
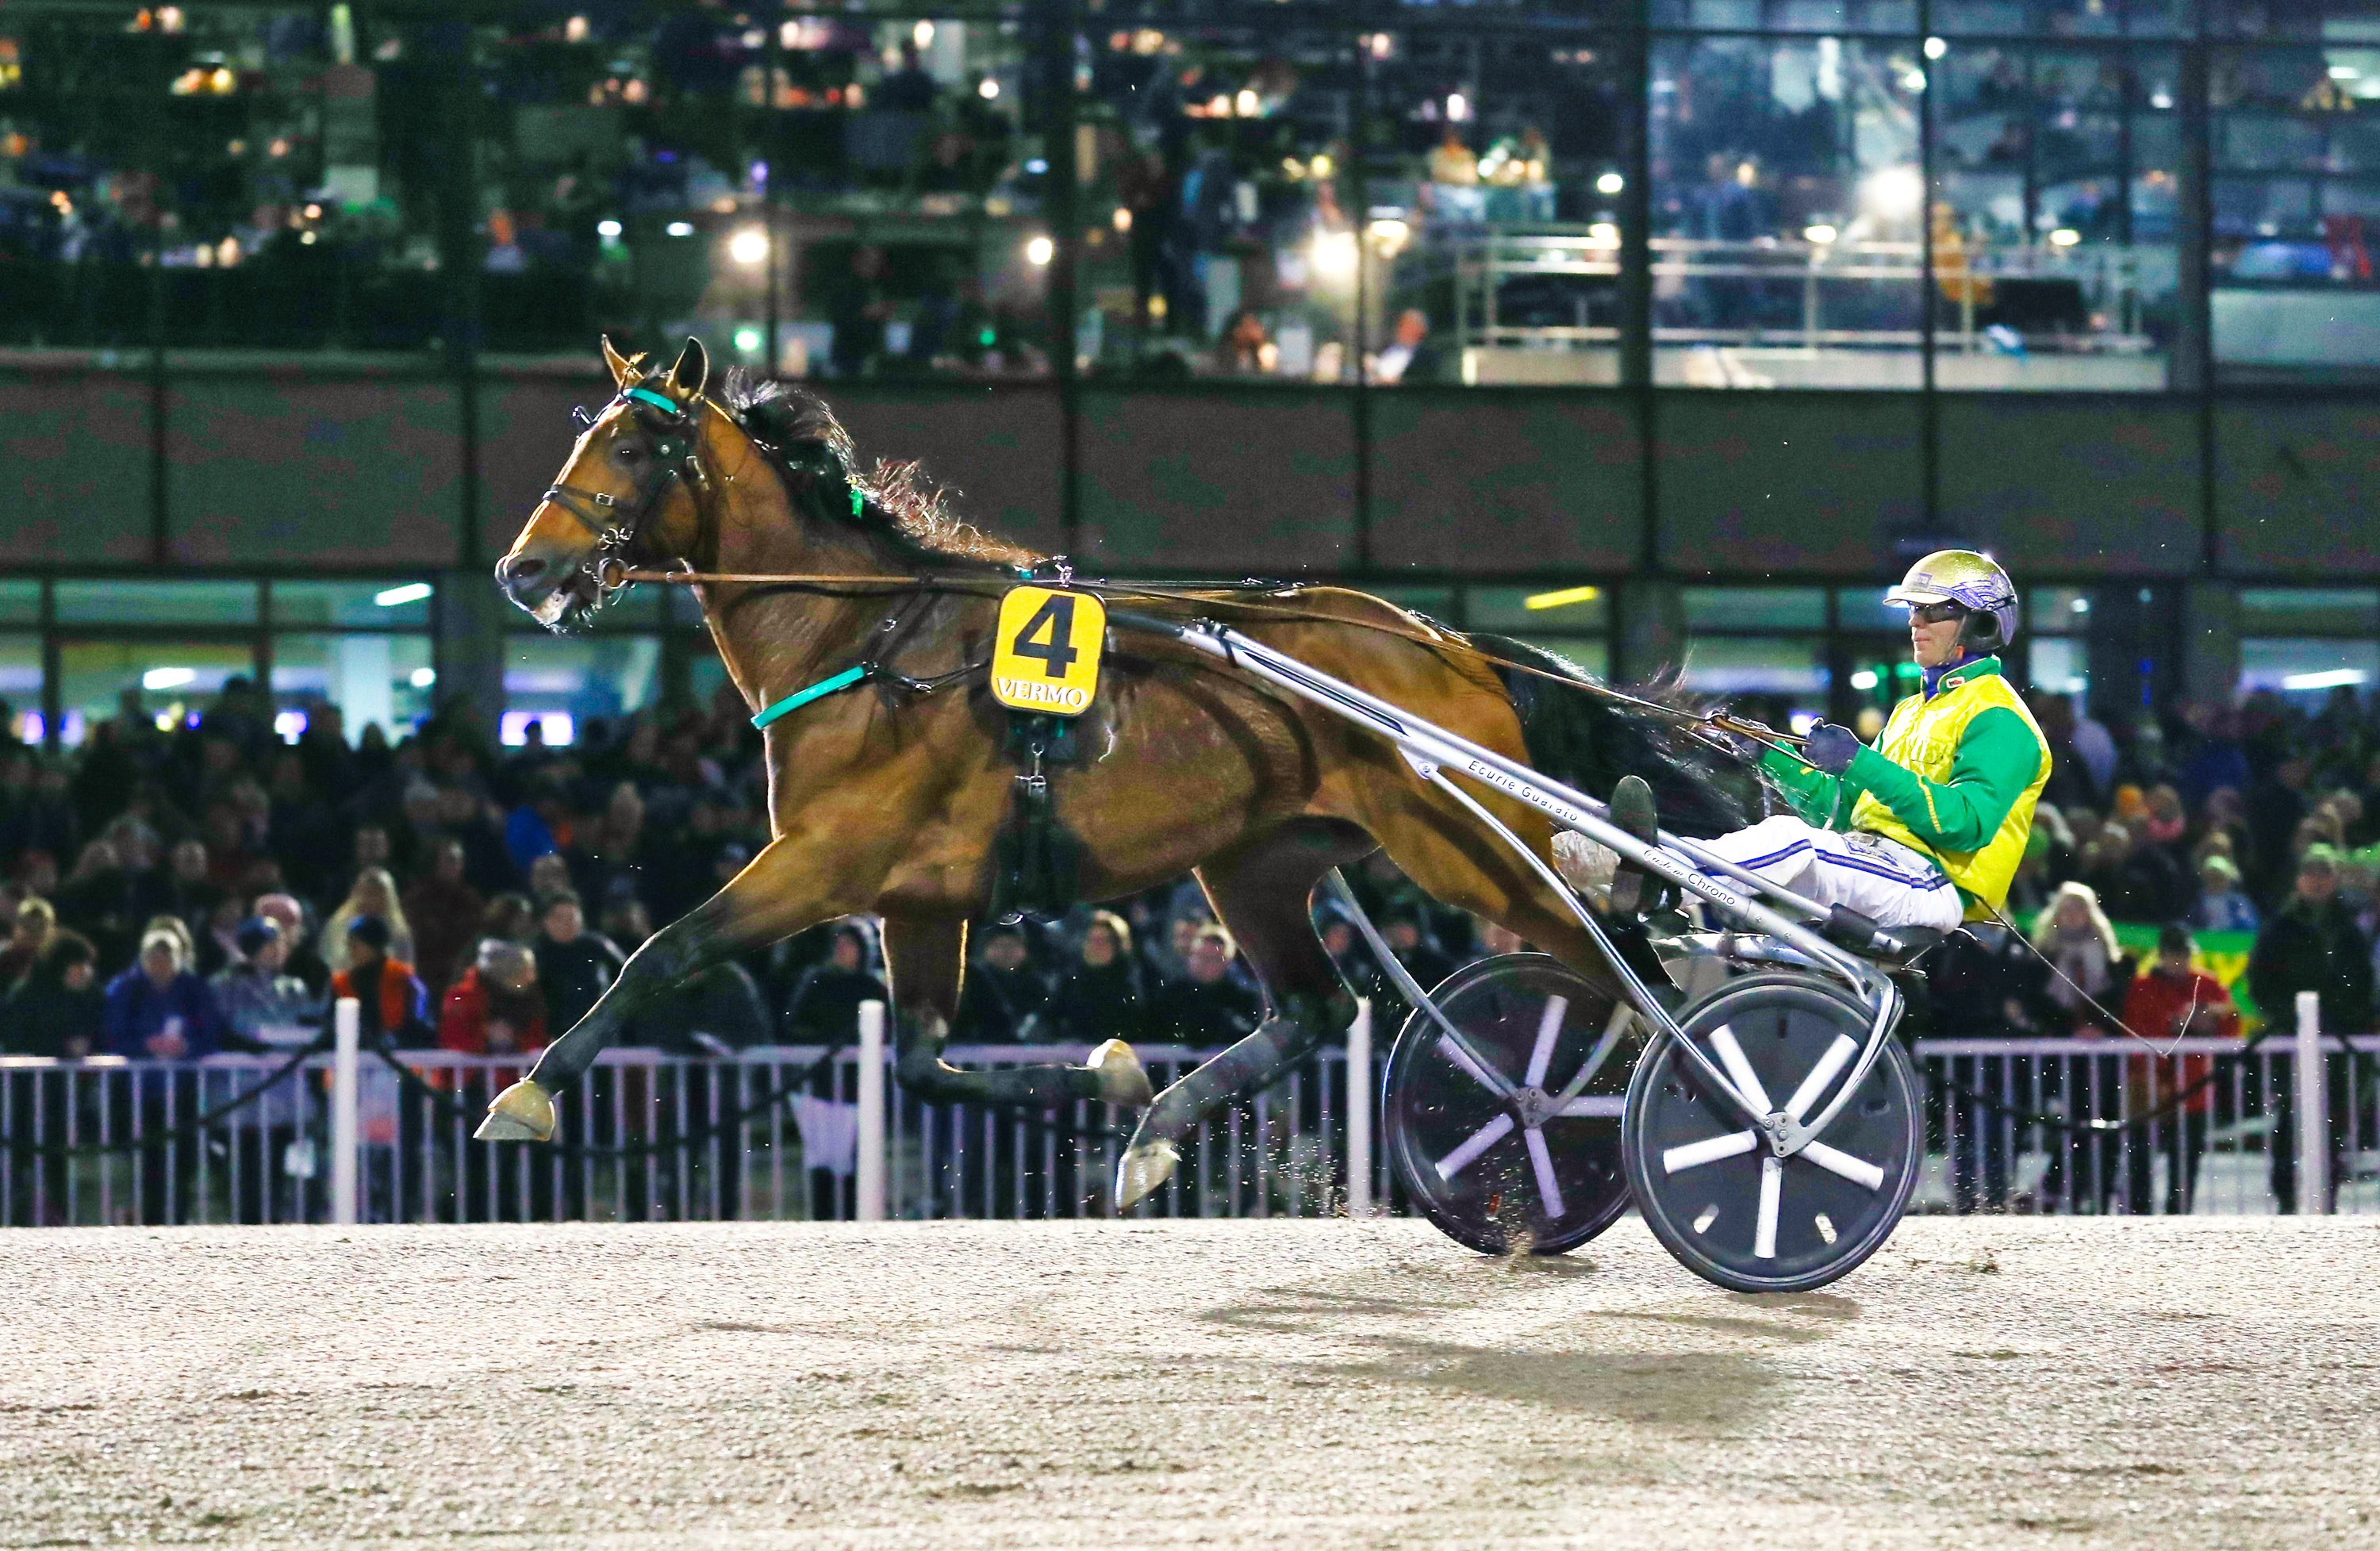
{"points": [[886, 798]]}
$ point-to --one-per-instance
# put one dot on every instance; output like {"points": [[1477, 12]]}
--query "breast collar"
{"points": [[670, 430]]}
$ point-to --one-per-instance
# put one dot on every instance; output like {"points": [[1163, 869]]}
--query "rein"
{"points": [[1741, 727]]}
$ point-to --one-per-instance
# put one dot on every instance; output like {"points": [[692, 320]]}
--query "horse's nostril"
{"points": [[523, 569]]}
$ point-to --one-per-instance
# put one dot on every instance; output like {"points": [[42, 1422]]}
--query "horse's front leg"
{"points": [[778, 893]]}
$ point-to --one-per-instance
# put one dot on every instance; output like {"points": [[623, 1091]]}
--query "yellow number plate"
{"points": [[1045, 657]]}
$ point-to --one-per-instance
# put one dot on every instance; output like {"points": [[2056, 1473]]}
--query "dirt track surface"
{"points": [[1982, 1382]]}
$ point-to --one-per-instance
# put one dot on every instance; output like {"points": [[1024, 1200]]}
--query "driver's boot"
{"points": [[1635, 892]]}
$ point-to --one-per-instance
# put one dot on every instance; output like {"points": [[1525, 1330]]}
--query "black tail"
{"points": [[1589, 741]]}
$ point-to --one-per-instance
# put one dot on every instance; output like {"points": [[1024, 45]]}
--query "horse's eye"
{"points": [[626, 452]]}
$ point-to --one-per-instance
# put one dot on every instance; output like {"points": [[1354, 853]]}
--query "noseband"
{"points": [[669, 430]]}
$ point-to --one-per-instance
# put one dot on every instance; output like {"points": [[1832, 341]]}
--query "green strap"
{"points": [[649, 397], [819, 690]]}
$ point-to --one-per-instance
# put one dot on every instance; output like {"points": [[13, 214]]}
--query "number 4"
{"points": [[1054, 647]]}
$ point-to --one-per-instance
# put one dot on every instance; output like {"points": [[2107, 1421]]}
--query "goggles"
{"points": [[1942, 612]]}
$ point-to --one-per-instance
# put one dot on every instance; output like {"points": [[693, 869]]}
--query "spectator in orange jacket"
{"points": [[394, 1002], [2174, 1000]]}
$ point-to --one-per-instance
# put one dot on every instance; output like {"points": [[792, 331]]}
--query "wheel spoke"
{"points": [[1462, 1058], [1612, 1029], [1739, 1071], [1541, 1159], [1840, 1051], [1834, 1160], [1763, 1234], [1694, 1155], [1487, 1136], [1548, 1029], [1602, 1105]]}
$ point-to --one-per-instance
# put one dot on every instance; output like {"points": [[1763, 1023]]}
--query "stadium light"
{"points": [[1040, 250], [422, 678], [749, 247], [1610, 183], [167, 678], [2331, 678], [680, 228], [408, 592]]}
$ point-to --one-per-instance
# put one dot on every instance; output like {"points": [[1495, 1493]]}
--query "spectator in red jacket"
{"points": [[497, 1008], [2173, 1000]]}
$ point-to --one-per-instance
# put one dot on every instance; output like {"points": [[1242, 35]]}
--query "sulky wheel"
{"points": [[1705, 1178], [1539, 1168]]}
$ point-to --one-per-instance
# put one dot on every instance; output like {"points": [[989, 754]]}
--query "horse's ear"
{"points": [[623, 370], [691, 372]]}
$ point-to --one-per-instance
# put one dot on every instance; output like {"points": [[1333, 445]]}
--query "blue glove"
{"points": [[1832, 748]]}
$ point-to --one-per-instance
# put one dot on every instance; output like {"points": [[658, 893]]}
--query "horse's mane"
{"points": [[897, 506], [1591, 740]]}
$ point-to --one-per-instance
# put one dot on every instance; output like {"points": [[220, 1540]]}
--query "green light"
{"points": [[986, 337], [747, 340]]}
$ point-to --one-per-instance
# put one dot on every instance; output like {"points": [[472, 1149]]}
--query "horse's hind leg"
{"points": [[927, 957], [1261, 891]]}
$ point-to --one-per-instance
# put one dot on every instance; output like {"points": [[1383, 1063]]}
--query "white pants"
{"points": [[1881, 878]]}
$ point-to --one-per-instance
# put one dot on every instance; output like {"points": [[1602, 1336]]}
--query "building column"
{"points": [[2210, 643], [469, 643], [1652, 630]]}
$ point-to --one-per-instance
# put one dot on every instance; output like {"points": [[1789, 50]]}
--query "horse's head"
{"points": [[632, 491]]}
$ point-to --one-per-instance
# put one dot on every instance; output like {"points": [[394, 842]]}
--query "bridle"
{"points": [[669, 432]]}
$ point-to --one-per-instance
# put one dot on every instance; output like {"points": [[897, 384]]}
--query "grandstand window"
{"points": [[20, 687], [2296, 201], [2309, 611], [2055, 219], [125, 601], [1738, 608], [572, 681], [2308, 670], [1787, 249], [382, 678], [386, 604]]}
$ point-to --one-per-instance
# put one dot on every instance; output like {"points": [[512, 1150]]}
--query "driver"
{"points": [[1927, 828]]}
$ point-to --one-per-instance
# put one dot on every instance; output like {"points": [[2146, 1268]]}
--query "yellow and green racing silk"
{"points": [[1956, 774]]}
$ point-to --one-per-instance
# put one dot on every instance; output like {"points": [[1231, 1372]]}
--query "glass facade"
{"points": [[1786, 654], [94, 644], [1999, 194]]}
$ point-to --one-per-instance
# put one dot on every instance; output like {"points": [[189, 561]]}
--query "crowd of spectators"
{"points": [[2228, 828], [172, 892]]}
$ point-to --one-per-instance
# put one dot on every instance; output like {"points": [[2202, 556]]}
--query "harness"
{"points": [[616, 530]]}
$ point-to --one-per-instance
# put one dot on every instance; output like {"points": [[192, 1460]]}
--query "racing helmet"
{"points": [[1965, 577]]}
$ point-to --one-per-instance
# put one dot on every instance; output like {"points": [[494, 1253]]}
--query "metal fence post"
{"points": [[346, 1023], [1359, 1110], [2313, 1124], [868, 1173]]}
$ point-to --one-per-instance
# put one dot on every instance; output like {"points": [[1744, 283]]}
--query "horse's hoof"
{"points": [[1141, 1170], [1122, 1079], [523, 1112]]}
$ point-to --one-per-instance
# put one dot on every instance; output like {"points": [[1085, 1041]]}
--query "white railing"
{"points": [[658, 1136]]}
